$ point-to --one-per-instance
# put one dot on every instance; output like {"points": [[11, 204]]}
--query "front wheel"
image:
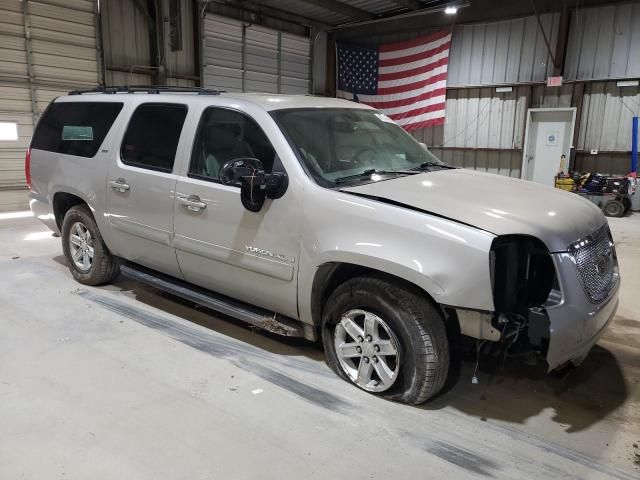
{"points": [[386, 339], [88, 258]]}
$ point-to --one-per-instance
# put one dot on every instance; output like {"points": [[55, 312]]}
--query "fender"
{"points": [[446, 259]]}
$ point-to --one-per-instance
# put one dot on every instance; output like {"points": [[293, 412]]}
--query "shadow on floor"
{"points": [[218, 322], [516, 390], [512, 391]]}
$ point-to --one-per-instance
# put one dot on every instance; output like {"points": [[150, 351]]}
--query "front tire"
{"points": [[88, 258], [387, 339]]}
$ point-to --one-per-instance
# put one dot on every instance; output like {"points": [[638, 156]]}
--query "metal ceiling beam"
{"points": [[343, 8], [410, 4], [405, 15], [261, 9]]}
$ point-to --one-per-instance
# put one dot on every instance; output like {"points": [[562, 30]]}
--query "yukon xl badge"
{"points": [[268, 253]]}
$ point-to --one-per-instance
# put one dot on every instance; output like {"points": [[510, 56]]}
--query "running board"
{"points": [[270, 321]]}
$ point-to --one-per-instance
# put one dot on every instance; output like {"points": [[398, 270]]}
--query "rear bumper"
{"points": [[42, 210], [577, 323]]}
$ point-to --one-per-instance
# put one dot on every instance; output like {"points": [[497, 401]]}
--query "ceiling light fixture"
{"points": [[451, 10]]}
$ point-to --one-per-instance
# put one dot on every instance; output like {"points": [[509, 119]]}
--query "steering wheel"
{"points": [[360, 152]]}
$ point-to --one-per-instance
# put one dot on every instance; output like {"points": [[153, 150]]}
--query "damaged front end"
{"points": [[554, 304]]}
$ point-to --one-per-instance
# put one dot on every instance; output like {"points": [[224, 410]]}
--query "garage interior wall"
{"points": [[242, 57], [47, 48], [485, 129], [137, 43]]}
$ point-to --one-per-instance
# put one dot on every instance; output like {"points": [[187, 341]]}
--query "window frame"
{"points": [[98, 150], [126, 130], [276, 157]]}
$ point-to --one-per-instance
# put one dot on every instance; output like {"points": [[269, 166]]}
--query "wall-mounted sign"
{"points": [[551, 138], [554, 82]]}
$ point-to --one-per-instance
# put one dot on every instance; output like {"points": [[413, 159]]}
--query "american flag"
{"points": [[406, 81]]}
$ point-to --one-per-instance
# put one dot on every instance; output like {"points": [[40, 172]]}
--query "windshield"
{"points": [[345, 146]]}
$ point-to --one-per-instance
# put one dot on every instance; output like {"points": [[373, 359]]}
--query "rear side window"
{"points": [[75, 128], [152, 137]]}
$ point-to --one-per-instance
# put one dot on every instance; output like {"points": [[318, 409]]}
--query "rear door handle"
{"points": [[193, 203], [120, 185]]}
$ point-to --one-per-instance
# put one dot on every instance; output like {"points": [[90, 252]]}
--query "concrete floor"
{"points": [[122, 382]]}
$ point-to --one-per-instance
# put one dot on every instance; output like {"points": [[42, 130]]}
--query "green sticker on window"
{"points": [[77, 133]]}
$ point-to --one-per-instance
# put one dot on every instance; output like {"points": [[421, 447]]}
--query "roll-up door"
{"points": [[47, 47], [251, 58]]}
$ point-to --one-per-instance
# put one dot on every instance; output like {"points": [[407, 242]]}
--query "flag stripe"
{"points": [[417, 111], [393, 57], [403, 74], [415, 56], [406, 104], [411, 65], [420, 118], [407, 109], [407, 87], [394, 97]]}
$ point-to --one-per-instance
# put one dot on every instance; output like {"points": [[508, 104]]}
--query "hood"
{"points": [[495, 203]]}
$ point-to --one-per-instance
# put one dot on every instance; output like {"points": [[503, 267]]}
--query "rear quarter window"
{"points": [[75, 128]]}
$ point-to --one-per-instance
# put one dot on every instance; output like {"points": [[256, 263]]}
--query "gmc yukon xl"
{"points": [[319, 217]]}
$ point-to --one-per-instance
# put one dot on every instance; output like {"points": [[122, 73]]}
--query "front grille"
{"points": [[595, 258]]}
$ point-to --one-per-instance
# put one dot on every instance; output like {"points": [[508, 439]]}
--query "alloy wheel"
{"points": [[81, 246], [368, 350]]}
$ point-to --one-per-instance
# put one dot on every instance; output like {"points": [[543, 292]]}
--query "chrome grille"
{"points": [[595, 258]]}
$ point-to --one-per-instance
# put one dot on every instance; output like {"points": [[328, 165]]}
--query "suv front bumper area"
{"points": [[576, 323]]}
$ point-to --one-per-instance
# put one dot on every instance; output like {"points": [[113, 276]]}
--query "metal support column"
{"points": [[29, 54], [279, 80], [634, 146]]}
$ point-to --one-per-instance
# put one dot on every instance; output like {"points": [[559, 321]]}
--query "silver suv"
{"points": [[319, 217]]}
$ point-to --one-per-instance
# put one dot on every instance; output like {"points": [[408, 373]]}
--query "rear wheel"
{"points": [[613, 208], [386, 339], [88, 258]]}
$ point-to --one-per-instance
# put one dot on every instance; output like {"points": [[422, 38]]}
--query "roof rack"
{"points": [[146, 89]]}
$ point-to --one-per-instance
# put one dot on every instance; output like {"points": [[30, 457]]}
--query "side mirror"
{"points": [[255, 184]]}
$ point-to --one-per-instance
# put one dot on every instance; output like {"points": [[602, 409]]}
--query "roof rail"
{"points": [[146, 89]]}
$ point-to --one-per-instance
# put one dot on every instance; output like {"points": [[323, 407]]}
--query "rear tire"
{"points": [[419, 368], [613, 208], [88, 258]]}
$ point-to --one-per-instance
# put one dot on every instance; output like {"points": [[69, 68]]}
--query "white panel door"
{"points": [[548, 138]]}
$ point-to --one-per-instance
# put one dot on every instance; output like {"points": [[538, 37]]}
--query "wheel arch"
{"points": [[62, 201], [330, 275]]}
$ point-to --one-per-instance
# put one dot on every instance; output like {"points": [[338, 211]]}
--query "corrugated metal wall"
{"points": [[272, 61], [47, 48], [125, 36], [128, 49], [222, 53], [483, 130], [606, 118], [181, 63], [603, 43], [506, 52]]}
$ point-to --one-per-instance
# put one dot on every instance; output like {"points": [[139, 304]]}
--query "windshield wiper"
{"points": [[426, 165], [374, 171]]}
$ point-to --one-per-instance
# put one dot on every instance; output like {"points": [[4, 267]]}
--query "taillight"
{"points": [[27, 167]]}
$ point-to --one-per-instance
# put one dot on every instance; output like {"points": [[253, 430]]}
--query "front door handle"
{"points": [[120, 185], [193, 203]]}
